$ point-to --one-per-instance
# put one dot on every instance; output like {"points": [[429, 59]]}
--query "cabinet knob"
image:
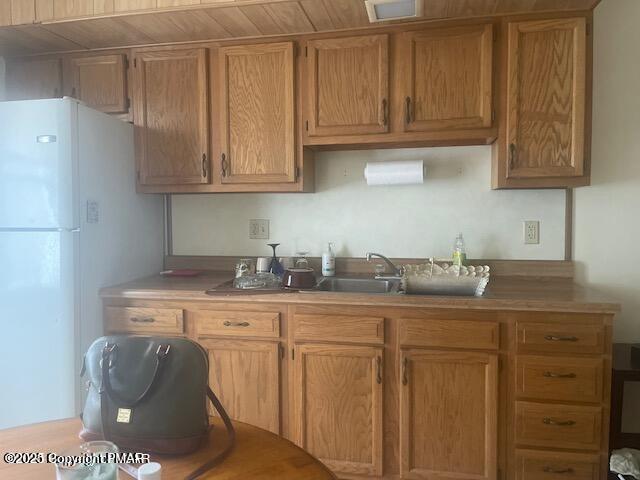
{"points": [[204, 165], [559, 375], [555, 338], [512, 156], [405, 380], [223, 163], [385, 113], [408, 109], [142, 319], [559, 471], [227, 323], [558, 423]]}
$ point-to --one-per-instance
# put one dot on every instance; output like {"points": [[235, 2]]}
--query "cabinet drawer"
{"points": [[559, 378], [561, 426], [339, 328], [449, 333], [144, 320], [236, 323], [537, 465], [546, 337]]}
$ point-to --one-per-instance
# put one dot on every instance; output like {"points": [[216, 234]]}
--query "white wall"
{"points": [[607, 214], [401, 221], [1, 78]]}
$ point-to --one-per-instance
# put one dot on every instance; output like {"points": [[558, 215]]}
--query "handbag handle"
{"points": [[107, 351], [231, 439]]}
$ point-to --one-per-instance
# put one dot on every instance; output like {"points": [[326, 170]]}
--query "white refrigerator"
{"points": [[70, 223]]}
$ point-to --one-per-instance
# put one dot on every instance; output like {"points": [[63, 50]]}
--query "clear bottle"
{"points": [[459, 253], [328, 262]]}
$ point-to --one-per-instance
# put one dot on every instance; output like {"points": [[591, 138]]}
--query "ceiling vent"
{"points": [[383, 10]]}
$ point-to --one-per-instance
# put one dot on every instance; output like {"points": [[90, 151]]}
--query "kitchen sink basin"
{"points": [[357, 285]]}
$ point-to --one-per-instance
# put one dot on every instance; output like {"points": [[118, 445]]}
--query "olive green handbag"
{"points": [[149, 394]]}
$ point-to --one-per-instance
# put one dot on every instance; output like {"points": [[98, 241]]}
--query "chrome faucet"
{"points": [[397, 271]]}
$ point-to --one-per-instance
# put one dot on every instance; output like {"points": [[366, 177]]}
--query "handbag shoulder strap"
{"points": [[231, 439]]}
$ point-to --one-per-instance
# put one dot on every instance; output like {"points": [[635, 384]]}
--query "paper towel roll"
{"points": [[394, 173]]}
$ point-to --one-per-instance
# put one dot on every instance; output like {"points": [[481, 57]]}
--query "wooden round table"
{"points": [[258, 454]]}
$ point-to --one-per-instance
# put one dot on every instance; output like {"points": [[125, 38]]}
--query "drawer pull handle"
{"points": [[559, 375], [142, 319], [557, 470], [227, 323], [551, 421], [405, 380], [379, 369], [554, 338]]}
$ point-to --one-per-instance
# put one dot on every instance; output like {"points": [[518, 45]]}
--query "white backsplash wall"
{"points": [[398, 221]]}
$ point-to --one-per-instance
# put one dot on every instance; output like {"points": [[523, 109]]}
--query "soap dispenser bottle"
{"points": [[459, 253], [329, 262]]}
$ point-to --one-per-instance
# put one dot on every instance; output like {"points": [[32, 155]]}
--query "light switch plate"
{"points": [[259, 229], [93, 211], [531, 232]]}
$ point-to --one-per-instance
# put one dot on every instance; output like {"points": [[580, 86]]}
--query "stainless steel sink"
{"points": [[357, 285]]}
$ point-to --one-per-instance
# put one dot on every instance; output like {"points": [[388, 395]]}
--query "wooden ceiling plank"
{"points": [[99, 33], [103, 7], [133, 5], [23, 12], [290, 16], [72, 9], [176, 3], [34, 39], [44, 10], [5, 13], [234, 21], [262, 20], [177, 26], [347, 13], [317, 15]]}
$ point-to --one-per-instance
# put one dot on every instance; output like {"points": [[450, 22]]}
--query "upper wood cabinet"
{"points": [[544, 138], [257, 113], [171, 116], [245, 374], [338, 406], [447, 75], [348, 85], [448, 415], [100, 81], [30, 79]]}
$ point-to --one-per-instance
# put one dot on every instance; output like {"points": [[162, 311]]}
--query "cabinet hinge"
{"points": [[135, 62], [281, 350], [126, 62], [296, 172], [306, 125], [293, 354], [127, 103], [493, 115], [306, 51]]}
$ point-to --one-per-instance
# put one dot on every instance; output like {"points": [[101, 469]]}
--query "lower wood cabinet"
{"points": [[338, 407], [408, 393], [245, 374], [448, 415]]}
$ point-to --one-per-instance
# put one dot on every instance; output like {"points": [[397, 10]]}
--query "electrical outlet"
{"points": [[259, 229], [531, 232]]}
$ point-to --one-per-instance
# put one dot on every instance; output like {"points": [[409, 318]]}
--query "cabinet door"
{"points": [[448, 415], [546, 98], [257, 113], [348, 85], [447, 75], [100, 81], [171, 116], [338, 406], [245, 375], [31, 79]]}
